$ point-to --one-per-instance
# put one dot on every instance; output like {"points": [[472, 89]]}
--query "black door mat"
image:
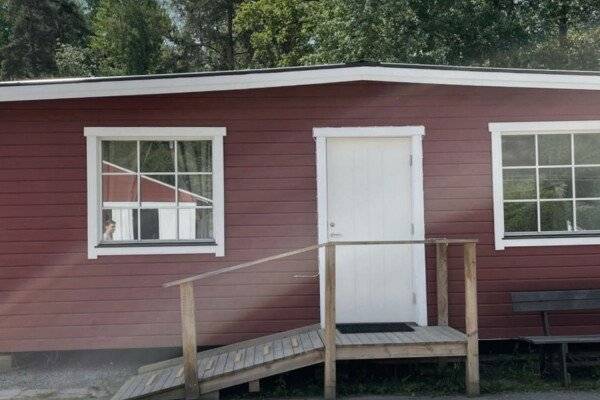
{"points": [[374, 327]]}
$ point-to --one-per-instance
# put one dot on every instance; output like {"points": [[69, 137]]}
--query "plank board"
{"points": [[273, 354], [562, 339]]}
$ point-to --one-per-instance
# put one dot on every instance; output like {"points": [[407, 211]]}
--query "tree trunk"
{"points": [[230, 37], [563, 23]]}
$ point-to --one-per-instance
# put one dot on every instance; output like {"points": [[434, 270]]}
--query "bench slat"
{"points": [[562, 339], [558, 305], [556, 300]]}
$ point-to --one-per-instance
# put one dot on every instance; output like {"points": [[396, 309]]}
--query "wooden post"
{"points": [[330, 329], [188, 337], [472, 361], [442, 282], [254, 386]]}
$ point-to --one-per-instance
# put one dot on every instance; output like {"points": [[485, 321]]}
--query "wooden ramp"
{"points": [[275, 354]]}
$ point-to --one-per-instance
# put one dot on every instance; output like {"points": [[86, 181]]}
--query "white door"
{"points": [[369, 198]]}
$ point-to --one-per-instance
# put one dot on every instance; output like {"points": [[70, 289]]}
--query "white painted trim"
{"points": [[95, 135], [82, 88], [321, 143], [497, 190], [545, 127], [152, 132], [418, 209], [150, 250], [498, 129], [418, 217], [370, 131]]}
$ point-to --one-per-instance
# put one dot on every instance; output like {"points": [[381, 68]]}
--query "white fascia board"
{"points": [[66, 89], [539, 80]]}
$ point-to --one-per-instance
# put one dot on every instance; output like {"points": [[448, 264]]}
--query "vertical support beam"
{"points": [[442, 282], [330, 356], [254, 386], [472, 362], [6, 361], [188, 338]]}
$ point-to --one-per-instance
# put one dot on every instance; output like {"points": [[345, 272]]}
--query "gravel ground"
{"points": [[73, 375]]}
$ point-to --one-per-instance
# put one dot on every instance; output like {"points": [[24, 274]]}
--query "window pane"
{"points": [[520, 217], [587, 181], [119, 156], [195, 223], [588, 215], [556, 215], [195, 190], [555, 183], [518, 150], [119, 225], [194, 156], [158, 189], [587, 148], [519, 183], [119, 188], [157, 156], [554, 149], [158, 224]]}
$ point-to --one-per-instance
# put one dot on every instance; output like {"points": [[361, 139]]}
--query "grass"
{"points": [[517, 372]]}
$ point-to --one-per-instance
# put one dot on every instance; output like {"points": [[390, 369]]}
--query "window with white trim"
{"points": [[546, 184], [155, 191]]}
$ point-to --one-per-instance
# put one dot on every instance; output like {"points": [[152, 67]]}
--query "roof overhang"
{"points": [[271, 78]]}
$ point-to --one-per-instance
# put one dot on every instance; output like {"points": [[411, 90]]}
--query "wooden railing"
{"points": [[188, 315]]}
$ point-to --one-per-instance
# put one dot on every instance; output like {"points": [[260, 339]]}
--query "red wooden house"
{"points": [[205, 170]]}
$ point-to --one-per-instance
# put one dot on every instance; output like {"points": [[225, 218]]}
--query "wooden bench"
{"points": [[559, 300]]}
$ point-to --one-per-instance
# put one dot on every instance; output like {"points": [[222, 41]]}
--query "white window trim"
{"points": [[94, 135], [497, 129], [415, 134]]}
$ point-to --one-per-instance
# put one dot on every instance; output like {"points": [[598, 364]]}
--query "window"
{"points": [[546, 183], [155, 190]]}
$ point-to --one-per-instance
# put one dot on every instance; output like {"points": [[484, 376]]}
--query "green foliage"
{"points": [[346, 31], [207, 33], [129, 36], [73, 61], [43, 38], [500, 373], [4, 23], [37, 26], [275, 30]]}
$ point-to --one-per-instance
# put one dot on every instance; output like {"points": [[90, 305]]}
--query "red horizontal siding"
{"points": [[47, 282]]}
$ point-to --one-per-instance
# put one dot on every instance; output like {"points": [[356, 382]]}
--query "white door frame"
{"points": [[415, 133]]}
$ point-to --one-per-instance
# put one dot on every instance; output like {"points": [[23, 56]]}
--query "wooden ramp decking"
{"points": [[251, 360]]}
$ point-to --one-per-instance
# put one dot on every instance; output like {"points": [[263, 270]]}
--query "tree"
{"points": [[469, 32], [346, 31], [4, 23], [74, 61], [275, 30], [37, 26], [564, 34], [129, 36], [207, 33]]}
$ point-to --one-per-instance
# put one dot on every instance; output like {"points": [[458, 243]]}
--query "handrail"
{"points": [[310, 248], [242, 266], [387, 242]]}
